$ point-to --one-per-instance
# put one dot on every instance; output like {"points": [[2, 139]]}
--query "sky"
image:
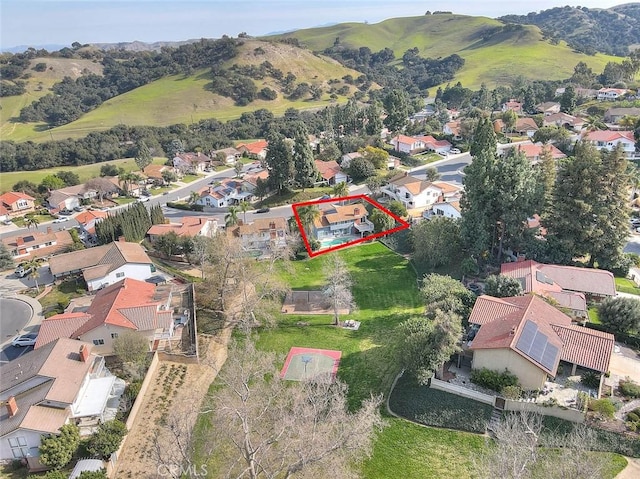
{"points": [[62, 22]]}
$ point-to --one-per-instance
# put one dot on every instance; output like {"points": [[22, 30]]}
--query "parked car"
{"points": [[7, 222], [24, 340], [263, 210], [454, 151], [65, 212], [61, 219], [325, 197], [143, 199], [475, 288], [78, 208], [21, 272]]}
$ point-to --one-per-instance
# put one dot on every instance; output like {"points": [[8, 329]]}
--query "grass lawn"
{"points": [[593, 315], [190, 178], [625, 285], [124, 200], [296, 196], [62, 293], [85, 172], [20, 221]]}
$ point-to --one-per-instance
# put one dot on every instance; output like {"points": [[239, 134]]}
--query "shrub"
{"points": [[106, 440], [493, 380], [590, 379], [629, 388], [604, 407], [633, 417], [511, 392], [57, 451]]}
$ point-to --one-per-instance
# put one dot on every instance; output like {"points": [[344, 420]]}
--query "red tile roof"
{"points": [[328, 169], [11, 197], [502, 321], [90, 215], [128, 304], [568, 278], [189, 226], [254, 148], [609, 135]]}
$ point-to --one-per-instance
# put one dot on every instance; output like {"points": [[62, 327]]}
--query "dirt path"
{"points": [[173, 399]]}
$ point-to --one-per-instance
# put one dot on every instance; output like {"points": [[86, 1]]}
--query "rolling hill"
{"points": [[493, 55], [186, 99]]}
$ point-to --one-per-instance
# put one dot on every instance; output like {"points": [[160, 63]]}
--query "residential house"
{"points": [[227, 156], [331, 172], [411, 191], [563, 120], [439, 146], [87, 221], [529, 337], [256, 149], [229, 191], [446, 209], [512, 105], [71, 197], [614, 115], [609, 140], [193, 163], [104, 265], [534, 151], [44, 389], [17, 204], [128, 305], [449, 191], [28, 245], [345, 160], [525, 127], [453, 128], [261, 235], [407, 144], [611, 93], [577, 285], [4, 213], [250, 180], [189, 226], [133, 188], [342, 221], [548, 108], [154, 173]]}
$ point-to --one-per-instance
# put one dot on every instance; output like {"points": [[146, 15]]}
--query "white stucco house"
{"points": [[610, 139], [411, 191], [104, 265], [44, 389], [444, 209]]}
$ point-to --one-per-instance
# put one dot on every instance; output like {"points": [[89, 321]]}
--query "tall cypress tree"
{"points": [[279, 162], [571, 222], [305, 167], [612, 210], [477, 203]]}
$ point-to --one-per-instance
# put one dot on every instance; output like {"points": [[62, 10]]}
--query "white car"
{"points": [[454, 151], [143, 199], [24, 340], [61, 219]]}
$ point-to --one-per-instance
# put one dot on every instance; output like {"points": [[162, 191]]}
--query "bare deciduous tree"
{"points": [[521, 451], [101, 186], [337, 291], [281, 429], [239, 288]]}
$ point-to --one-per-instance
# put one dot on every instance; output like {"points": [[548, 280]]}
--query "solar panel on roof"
{"points": [[535, 344]]}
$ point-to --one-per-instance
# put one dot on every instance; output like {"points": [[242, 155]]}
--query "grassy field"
{"points": [[625, 285], [85, 172], [188, 99], [488, 61]]}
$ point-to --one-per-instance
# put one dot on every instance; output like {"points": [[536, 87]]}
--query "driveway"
{"points": [[10, 283]]}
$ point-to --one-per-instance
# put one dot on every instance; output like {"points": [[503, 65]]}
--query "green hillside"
{"points": [[186, 99], [491, 59]]}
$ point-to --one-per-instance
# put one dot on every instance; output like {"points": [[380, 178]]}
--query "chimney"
{"points": [[49, 230], [19, 241], [240, 222], [272, 225], [84, 353], [356, 211], [520, 258], [122, 239], [12, 406]]}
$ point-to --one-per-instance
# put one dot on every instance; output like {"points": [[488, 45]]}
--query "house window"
{"points": [[98, 342], [119, 275], [35, 246], [18, 446], [48, 243], [114, 335]]}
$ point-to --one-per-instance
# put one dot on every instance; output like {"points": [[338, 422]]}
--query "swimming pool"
{"points": [[326, 243]]}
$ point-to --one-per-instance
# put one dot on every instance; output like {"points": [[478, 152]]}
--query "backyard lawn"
{"points": [[626, 285]]}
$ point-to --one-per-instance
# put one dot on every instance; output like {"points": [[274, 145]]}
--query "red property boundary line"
{"points": [[403, 224], [295, 351]]}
